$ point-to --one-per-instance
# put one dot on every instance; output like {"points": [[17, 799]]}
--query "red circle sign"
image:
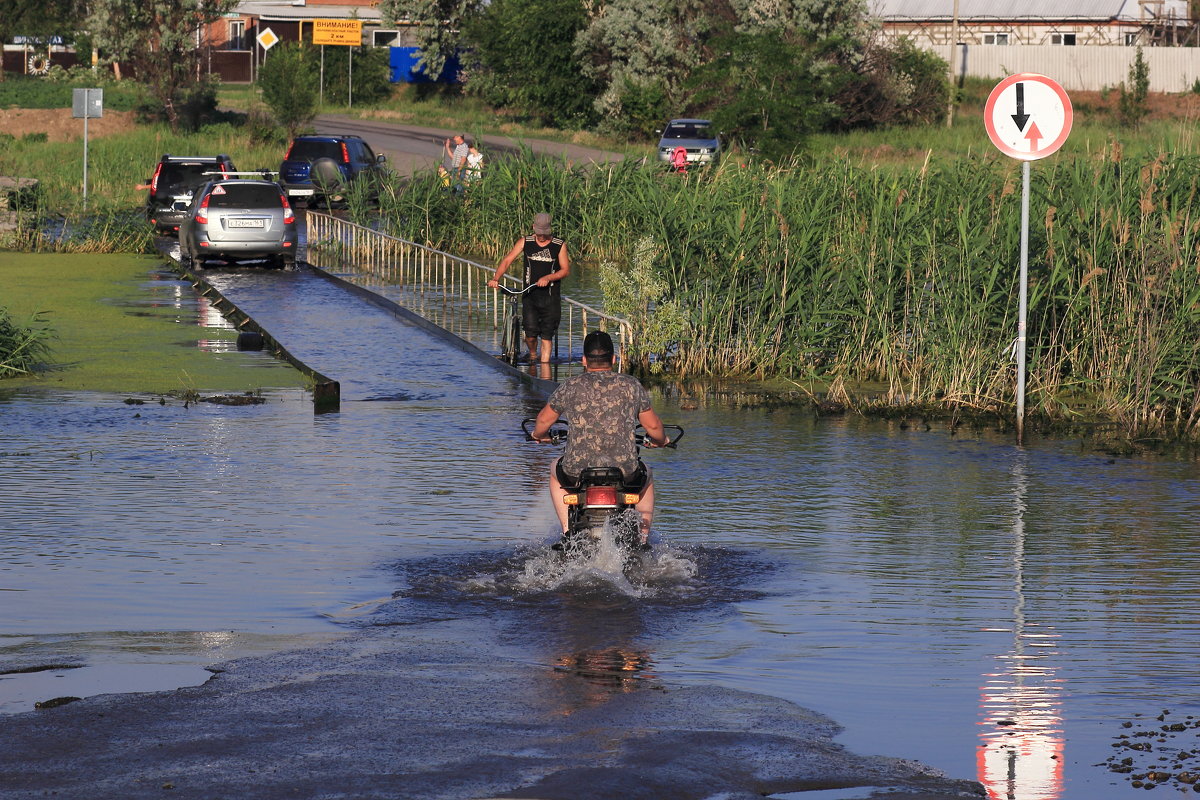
{"points": [[1028, 116]]}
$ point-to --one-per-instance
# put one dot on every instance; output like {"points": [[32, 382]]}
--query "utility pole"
{"points": [[953, 71]]}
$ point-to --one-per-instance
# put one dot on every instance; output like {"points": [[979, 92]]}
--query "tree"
{"points": [[766, 91], [523, 55], [289, 81], [39, 19], [158, 39], [631, 48], [1131, 105], [438, 24]]}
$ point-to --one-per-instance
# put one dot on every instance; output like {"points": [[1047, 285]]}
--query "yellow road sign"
{"points": [[337, 31]]}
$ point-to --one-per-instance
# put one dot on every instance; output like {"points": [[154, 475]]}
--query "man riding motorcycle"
{"points": [[603, 407]]}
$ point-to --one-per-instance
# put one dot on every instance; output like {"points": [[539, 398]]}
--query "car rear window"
{"points": [[309, 150], [244, 195], [175, 176], [688, 131]]}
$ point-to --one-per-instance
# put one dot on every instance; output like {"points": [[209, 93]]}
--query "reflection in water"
{"points": [[1021, 756]]}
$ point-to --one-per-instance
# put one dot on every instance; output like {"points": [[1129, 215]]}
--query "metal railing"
{"points": [[448, 290]]}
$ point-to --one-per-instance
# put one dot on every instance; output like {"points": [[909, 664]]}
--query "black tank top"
{"points": [[541, 261]]}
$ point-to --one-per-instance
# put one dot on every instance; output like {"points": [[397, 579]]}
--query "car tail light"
{"points": [[288, 155], [154, 180], [202, 213], [288, 215], [345, 154], [601, 497]]}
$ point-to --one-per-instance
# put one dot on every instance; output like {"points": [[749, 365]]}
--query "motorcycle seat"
{"points": [[605, 476]]}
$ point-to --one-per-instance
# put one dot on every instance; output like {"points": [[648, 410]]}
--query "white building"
{"points": [[931, 23]]}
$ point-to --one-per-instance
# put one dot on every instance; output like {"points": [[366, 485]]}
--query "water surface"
{"points": [[995, 612]]}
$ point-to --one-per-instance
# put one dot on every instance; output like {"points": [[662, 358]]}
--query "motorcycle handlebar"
{"points": [[558, 435]]}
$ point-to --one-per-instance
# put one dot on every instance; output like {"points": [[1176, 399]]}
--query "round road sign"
{"points": [[1028, 116]]}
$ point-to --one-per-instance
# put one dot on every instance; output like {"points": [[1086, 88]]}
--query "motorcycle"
{"points": [[601, 499]]}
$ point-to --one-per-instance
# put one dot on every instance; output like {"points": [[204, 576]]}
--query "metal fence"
{"points": [[445, 289]]}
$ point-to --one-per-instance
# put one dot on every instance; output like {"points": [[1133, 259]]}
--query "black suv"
{"points": [[175, 179], [320, 167]]}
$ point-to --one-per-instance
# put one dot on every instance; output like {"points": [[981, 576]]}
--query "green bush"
{"points": [[22, 347], [371, 76]]}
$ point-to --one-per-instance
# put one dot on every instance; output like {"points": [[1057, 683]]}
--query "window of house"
{"points": [[237, 34], [995, 38], [1131, 39], [1063, 38], [385, 38]]}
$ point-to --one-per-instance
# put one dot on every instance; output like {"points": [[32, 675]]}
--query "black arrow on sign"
{"points": [[1020, 117]]}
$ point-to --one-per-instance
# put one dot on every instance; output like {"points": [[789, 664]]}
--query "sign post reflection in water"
{"points": [[1027, 116], [1021, 749]]}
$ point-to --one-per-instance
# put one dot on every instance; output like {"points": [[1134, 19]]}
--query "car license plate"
{"points": [[236, 222], [301, 192]]}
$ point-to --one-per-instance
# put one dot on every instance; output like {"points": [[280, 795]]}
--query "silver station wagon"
{"points": [[238, 219], [699, 140]]}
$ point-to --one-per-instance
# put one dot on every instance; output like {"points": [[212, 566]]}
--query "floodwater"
{"points": [[998, 613]]}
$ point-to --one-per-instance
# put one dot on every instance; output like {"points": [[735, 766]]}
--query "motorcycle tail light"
{"points": [[631, 499], [602, 497], [571, 499]]}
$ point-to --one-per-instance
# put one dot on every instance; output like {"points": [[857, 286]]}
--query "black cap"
{"points": [[598, 344]]}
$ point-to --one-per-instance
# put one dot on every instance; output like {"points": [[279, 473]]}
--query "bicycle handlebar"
{"points": [[558, 435], [514, 292]]}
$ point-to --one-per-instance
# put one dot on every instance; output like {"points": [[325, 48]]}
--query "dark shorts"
{"points": [[540, 313]]}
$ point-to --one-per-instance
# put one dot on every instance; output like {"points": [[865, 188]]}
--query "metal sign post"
{"points": [[1027, 116], [86, 103]]}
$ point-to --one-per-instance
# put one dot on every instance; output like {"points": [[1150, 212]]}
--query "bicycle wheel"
{"points": [[510, 341]]}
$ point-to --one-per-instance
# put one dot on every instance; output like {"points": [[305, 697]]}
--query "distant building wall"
{"points": [[1172, 69]]}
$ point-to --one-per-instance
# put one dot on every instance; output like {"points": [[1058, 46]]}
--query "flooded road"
{"points": [[993, 612]]}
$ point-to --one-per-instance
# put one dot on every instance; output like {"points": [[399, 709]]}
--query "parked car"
{"points": [[696, 136], [321, 167], [238, 219], [175, 179]]}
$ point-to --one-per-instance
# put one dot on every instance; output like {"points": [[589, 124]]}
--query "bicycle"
{"points": [[510, 333]]}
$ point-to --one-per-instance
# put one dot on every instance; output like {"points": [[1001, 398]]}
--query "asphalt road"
{"points": [[410, 148]]}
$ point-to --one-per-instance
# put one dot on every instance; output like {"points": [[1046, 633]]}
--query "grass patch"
{"points": [[118, 327], [118, 164]]}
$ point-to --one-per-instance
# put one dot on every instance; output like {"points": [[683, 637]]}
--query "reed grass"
{"points": [[23, 346], [903, 277]]}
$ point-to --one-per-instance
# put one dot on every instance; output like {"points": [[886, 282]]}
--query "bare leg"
{"points": [[532, 343], [558, 496], [544, 346], [645, 507]]}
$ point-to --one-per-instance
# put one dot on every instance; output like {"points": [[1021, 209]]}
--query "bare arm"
{"points": [[506, 263], [655, 434], [545, 418]]}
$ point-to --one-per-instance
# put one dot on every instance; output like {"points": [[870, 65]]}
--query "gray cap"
{"points": [[541, 225]]}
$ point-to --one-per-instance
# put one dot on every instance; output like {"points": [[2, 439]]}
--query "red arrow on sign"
{"points": [[1034, 135]]}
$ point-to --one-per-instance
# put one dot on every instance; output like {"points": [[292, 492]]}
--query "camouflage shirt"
{"points": [[603, 408]]}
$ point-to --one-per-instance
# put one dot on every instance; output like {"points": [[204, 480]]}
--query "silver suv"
{"points": [[238, 219], [696, 136]]}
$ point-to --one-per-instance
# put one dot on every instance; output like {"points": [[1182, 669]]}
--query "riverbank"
{"points": [[127, 324]]}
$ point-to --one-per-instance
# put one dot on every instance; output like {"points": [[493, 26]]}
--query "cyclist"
{"points": [[603, 407], [546, 263]]}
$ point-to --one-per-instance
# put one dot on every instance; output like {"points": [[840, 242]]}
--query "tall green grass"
{"points": [[899, 277], [23, 347], [117, 165]]}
